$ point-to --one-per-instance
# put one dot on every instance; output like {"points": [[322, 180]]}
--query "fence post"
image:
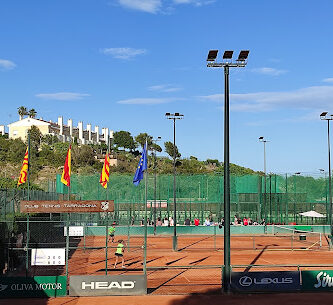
{"points": [[106, 242]]}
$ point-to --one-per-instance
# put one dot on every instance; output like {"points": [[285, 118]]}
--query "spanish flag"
{"points": [[66, 173], [105, 174], [24, 169]]}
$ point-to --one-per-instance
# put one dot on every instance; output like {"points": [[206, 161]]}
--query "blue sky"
{"points": [[123, 63]]}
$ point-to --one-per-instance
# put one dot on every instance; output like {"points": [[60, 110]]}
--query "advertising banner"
{"points": [[74, 231], [37, 286], [317, 280], [66, 206], [266, 281], [48, 256], [104, 285]]}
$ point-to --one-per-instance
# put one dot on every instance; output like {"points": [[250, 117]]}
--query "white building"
{"points": [[64, 133]]}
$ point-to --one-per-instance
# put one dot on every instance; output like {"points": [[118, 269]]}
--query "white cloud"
{"points": [[164, 88], [148, 101], [269, 71], [159, 6], [328, 80], [123, 53], [194, 2], [6, 64], [316, 97], [148, 6], [62, 96]]}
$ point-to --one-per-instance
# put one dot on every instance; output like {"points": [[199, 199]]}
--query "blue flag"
{"points": [[142, 166]]}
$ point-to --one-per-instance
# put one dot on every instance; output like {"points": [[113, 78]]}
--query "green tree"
{"points": [[156, 147], [141, 139], [83, 155], [22, 111], [169, 149], [32, 113], [35, 137], [124, 139]]}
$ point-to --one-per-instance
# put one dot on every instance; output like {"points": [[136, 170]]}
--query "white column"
{"points": [[2, 130], [61, 125], [97, 133], [80, 127], [106, 136], [89, 132], [70, 125]]}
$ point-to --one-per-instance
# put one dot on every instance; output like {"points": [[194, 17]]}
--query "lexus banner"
{"points": [[266, 281]]}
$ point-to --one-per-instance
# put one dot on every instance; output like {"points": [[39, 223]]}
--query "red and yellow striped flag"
{"points": [[66, 173], [24, 169], [105, 174]]}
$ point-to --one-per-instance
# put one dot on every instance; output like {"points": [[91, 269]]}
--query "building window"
{"points": [[15, 132]]}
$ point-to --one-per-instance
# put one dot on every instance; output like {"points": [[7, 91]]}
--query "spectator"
{"points": [[196, 221], [207, 222], [159, 222], [171, 222], [187, 222], [235, 220], [132, 221], [245, 221], [166, 222], [142, 222], [250, 222]]}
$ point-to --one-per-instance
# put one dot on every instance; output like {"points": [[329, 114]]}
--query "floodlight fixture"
{"points": [[261, 138], [168, 114], [323, 115], [228, 54], [298, 173], [243, 55], [212, 54]]}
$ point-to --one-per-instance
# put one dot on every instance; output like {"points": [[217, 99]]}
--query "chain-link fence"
{"points": [[276, 198]]}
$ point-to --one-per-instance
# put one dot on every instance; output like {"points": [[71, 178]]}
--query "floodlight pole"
{"points": [[324, 116], [241, 62], [261, 139], [155, 180], [174, 117]]}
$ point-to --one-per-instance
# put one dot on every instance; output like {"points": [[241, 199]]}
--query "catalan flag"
{"points": [[24, 169], [66, 173], [105, 174]]}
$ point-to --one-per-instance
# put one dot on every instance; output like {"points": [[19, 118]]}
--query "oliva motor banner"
{"points": [[37, 286]]}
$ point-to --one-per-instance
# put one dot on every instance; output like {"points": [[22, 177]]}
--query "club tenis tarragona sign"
{"points": [[63, 206]]}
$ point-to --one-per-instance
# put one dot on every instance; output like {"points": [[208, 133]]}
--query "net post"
{"points": [[215, 237], [292, 241]]}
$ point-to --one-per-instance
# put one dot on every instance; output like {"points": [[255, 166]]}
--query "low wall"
{"points": [[200, 230]]}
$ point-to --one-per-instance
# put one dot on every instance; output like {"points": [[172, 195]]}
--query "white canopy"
{"points": [[312, 214]]}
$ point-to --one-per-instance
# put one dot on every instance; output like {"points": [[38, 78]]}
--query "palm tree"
{"points": [[32, 113], [22, 111]]}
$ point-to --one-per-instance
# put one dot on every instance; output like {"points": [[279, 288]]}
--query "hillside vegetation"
{"points": [[48, 155]]}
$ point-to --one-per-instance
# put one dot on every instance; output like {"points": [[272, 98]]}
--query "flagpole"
{"points": [[145, 230], [28, 224], [106, 225], [67, 221]]}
